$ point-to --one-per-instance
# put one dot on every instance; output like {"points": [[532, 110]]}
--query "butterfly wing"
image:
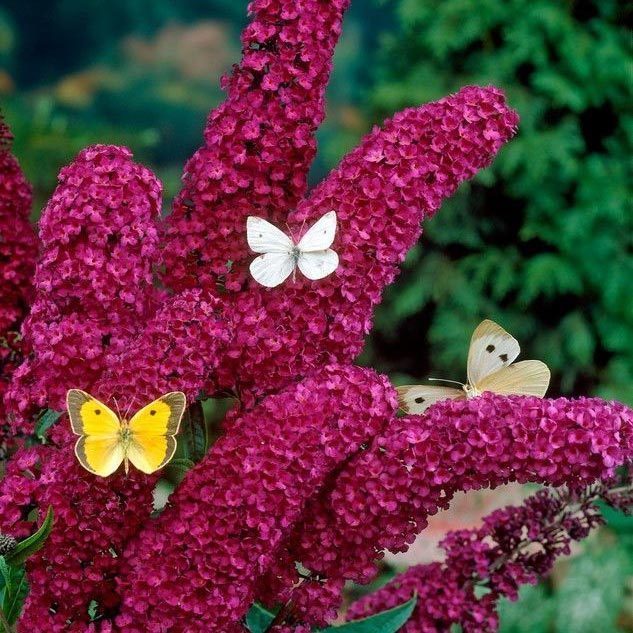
{"points": [[418, 398], [100, 455], [526, 378], [320, 235], [491, 348], [271, 269], [152, 432], [264, 237], [319, 264], [99, 449], [89, 416]]}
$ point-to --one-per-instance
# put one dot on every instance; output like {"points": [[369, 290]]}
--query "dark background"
{"points": [[540, 242]]}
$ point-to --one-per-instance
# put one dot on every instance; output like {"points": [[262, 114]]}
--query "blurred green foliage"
{"points": [[594, 595], [541, 241], [141, 74]]}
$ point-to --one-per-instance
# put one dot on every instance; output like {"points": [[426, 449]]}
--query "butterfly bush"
{"points": [[93, 282], [312, 464], [381, 192], [383, 496], [236, 507], [18, 252], [514, 546], [259, 143]]}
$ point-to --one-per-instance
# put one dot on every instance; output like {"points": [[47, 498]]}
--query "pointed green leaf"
{"points": [[49, 417], [5, 577], [33, 543], [199, 434], [14, 600], [386, 622], [258, 619], [176, 470]]}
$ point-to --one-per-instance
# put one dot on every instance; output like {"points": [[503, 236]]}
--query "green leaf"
{"points": [[258, 619], [13, 601], [49, 417], [13, 590], [386, 622], [176, 470], [5, 577], [33, 543]]}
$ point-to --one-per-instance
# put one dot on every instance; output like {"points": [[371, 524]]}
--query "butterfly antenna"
{"points": [[129, 407], [118, 410], [461, 384], [290, 232]]}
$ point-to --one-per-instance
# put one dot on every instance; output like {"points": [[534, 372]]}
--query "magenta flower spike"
{"points": [[259, 143], [18, 252], [382, 497], [235, 508], [381, 192], [18, 247], [93, 282], [513, 547]]}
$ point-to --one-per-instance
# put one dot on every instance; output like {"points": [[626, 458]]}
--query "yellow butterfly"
{"points": [[147, 440], [490, 357]]}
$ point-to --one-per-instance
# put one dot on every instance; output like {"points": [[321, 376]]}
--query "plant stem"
{"points": [[281, 616]]}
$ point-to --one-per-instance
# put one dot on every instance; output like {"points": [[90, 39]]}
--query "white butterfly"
{"points": [[492, 351], [281, 255]]}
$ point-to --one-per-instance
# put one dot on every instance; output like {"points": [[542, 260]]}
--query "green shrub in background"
{"points": [[542, 240]]}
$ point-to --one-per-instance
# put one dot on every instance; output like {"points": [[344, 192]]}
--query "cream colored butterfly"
{"points": [[490, 357], [281, 256]]}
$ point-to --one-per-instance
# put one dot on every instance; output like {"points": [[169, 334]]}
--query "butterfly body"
{"points": [[470, 391], [106, 441], [126, 438], [491, 368], [281, 255]]}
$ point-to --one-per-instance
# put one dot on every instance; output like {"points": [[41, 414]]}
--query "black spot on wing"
{"points": [[504, 358], [419, 400], [490, 349]]}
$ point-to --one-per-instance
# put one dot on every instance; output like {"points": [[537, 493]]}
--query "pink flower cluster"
{"points": [[235, 508], [382, 497], [94, 518], [18, 251], [258, 144], [514, 546], [18, 246], [381, 192], [93, 283], [74, 569], [107, 341]]}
